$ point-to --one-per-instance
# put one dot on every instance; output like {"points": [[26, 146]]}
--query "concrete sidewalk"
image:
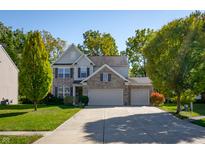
{"points": [[124, 125], [26, 133]]}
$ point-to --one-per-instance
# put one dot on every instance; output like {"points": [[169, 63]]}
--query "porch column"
{"points": [[73, 94]]}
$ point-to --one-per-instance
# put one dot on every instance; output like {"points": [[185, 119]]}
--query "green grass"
{"points": [[12, 139], [23, 117], [198, 110]]}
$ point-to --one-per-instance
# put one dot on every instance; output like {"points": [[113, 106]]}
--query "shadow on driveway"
{"points": [[145, 128]]}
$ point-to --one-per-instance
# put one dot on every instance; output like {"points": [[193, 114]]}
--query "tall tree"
{"points": [[35, 72], [175, 57], [54, 46], [12, 41], [96, 43], [134, 51]]}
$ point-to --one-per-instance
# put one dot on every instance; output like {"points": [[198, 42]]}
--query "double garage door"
{"points": [[115, 96], [105, 96]]}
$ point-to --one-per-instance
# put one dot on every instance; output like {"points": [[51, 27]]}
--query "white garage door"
{"points": [[140, 97], [105, 96]]}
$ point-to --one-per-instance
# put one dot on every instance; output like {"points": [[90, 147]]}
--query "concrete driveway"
{"points": [[125, 125]]}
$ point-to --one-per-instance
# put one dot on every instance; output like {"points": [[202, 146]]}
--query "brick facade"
{"points": [[61, 82], [115, 83]]}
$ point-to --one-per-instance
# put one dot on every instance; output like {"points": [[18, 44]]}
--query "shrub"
{"points": [[84, 100], [157, 99], [68, 100], [52, 100], [24, 100]]}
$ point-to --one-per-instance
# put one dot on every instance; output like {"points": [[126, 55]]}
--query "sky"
{"points": [[70, 25]]}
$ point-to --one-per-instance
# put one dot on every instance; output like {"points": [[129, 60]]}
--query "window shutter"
{"points": [[71, 72], [56, 91], [79, 72], [101, 77], [71, 91], [88, 71], [56, 72], [109, 77]]}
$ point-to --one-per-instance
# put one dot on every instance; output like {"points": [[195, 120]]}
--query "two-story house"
{"points": [[104, 79]]}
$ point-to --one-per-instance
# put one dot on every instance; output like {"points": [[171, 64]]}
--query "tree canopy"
{"points": [[176, 57], [35, 72], [134, 51], [96, 43]]}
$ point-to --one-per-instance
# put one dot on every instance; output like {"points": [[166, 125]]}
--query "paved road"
{"points": [[125, 125]]}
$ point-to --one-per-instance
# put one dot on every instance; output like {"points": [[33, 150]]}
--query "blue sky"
{"points": [[70, 25]]}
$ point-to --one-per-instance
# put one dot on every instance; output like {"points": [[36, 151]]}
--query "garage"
{"points": [[140, 97], [105, 96]]}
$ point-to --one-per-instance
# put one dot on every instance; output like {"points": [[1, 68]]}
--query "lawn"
{"points": [[23, 117], [12, 139], [198, 110]]}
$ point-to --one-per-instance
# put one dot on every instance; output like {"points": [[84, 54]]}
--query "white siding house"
{"points": [[8, 78]]}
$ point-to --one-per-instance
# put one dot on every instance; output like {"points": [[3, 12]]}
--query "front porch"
{"points": [[77, 91]]}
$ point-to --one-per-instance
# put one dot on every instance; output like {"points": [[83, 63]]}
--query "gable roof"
{"points": [[69, 61], [105, 65], [4, 51], [83, 55], [139, 81], [109, 60]]}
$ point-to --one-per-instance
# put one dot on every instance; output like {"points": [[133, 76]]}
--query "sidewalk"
{"points": [[26, 133]]}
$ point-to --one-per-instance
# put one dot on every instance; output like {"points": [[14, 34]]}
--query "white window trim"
{"points": [[81, 68], [105, 77], [64, 90], [64, 72]]}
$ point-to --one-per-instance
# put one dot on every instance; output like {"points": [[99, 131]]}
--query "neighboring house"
{"points": [[8, 78], [104, 79]]}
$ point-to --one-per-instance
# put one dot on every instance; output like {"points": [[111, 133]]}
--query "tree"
{"points": [[134, 51], [54, 46], [12, 41], [96, 43], [35, 72], [175, 57]]}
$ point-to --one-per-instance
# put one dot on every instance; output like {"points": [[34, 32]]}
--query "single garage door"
{"points": [[140, 97], [105, 96]]}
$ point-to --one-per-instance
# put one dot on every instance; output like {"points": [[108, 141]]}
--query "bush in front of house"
{"points": [[84, 100], [52, 100], [157, 99], [24, 100], [68, 100]]}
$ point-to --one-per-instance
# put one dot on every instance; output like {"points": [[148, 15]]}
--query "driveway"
{"points": [[125, 125]]}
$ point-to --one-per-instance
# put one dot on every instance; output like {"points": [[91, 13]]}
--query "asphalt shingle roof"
{"points": [[109, 60]]}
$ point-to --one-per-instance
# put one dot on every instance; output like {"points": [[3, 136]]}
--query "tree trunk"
{"points": [[178, 104], [35, 105]]}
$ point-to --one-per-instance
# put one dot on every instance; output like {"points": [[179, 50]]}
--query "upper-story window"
{"points": [[83, 72], [60, 72], [105, 77], [67, 72], [64, 72]]}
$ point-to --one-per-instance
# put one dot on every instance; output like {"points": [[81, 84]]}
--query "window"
{"points": [[60, 72], [105, 77], [83, 72], [60, 92], [66, 91], [64, 72], [67, 72]]}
